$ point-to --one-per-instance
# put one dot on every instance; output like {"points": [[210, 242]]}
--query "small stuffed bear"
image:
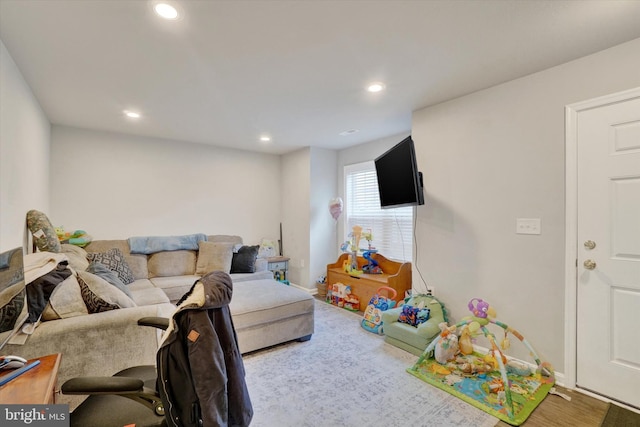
{"points": [[447, 345]]}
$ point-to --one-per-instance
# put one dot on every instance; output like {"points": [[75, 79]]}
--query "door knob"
{"points": [[589, 244], [589, 264]]}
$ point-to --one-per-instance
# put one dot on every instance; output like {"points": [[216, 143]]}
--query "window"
{"points": [[391, 228]]}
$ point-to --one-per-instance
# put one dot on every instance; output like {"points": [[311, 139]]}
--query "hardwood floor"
{"points": [[581, 411]]}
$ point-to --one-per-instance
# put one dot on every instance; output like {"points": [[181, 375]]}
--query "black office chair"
{"points": [[200, 367], [128, 397]]}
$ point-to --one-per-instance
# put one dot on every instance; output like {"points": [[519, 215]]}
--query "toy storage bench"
{"points": [[395, 275]]}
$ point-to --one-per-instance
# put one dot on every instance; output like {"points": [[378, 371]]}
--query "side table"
{"points": [[279, 265], [36, 386]]}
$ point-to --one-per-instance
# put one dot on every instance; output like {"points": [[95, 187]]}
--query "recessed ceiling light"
{"points": [[348, 132], [265, 138], [132, 114], [166, 11], [375, 87]]}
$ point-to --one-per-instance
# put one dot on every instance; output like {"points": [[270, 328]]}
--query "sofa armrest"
{"points": [[99, 344], [391, 315]]}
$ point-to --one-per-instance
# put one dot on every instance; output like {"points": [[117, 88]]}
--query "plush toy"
{"points": [[447, 346], [77, 238]]}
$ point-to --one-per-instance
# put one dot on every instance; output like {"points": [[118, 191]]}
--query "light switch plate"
{"points": [[528, 226]]}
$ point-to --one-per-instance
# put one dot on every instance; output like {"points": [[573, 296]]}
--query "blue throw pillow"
{"points": [[413, 316]]}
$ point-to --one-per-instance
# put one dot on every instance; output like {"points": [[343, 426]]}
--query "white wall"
{"points": [[24, 153], [116, 186], [295, 213], [322, 227], [494, 156]]}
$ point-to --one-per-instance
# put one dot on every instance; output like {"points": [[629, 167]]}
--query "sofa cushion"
{"points": [[65, 301], [149, 296], [245, 277], [44, 234], [171, 263], [114, 260], [110, 276], [76, 255], [244, 261], [137, 262], [214, 256], [176, 286], [99, 295], [257, 302]]}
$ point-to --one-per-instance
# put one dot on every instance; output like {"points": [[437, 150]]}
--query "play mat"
{"points": [[451, 364]]}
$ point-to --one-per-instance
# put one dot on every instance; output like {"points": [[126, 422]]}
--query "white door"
{"points": [[608, 253]]}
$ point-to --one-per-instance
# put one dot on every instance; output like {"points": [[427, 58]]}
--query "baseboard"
{"points": [[308, 290]]}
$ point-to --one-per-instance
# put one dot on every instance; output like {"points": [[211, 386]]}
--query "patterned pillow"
{"points": [[244, 261], [113, 259], [413, 315], [99, 295], [111, 277], [44, 235]]}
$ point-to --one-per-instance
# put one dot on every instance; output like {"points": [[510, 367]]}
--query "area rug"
{"points": [[346, 376], [486, 391]]}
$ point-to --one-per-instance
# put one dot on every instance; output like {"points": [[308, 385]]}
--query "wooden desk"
{"points": [[396, 275], [36, 386]]}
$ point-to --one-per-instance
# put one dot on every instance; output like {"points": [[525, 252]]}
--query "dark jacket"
{"points": [[200, 370]]}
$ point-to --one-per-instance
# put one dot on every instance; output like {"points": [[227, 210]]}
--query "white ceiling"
{"points": [[228, 71]]}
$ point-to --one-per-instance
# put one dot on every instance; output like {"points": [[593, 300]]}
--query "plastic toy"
{"points": [[447, 344], [372, 321], [77, 238], [372, 267]]}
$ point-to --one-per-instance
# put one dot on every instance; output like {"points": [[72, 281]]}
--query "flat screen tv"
{"points": [[399, 182]]}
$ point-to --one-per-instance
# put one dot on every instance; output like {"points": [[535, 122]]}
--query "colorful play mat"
{"points": [[507, 389], [486, 391]]}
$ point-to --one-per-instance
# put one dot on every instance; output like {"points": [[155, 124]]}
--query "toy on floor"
{"points": [[499, 384], [372, 320]]}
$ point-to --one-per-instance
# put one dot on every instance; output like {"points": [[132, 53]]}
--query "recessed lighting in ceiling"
{"points": [[348, 132], [376, 87], [132, 114], [265, 138], [166, 11]]}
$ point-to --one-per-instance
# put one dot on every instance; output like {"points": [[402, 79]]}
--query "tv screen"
{"points": [[399, 182]]}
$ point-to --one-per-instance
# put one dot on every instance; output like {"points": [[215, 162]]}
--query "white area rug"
{"points": [[346, 376]]}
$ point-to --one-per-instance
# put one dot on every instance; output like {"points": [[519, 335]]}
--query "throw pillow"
{"points": [[113, 259], [44, 234], [65, 301], [101, 270], [413, 316], [98, 295], [244, 261], [77, 256], [214, 256]]}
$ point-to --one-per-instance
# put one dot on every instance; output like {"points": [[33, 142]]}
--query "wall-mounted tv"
{"points": [[399, 182]]}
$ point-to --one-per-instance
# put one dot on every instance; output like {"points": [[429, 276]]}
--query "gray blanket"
{"points": [[152, 244]]}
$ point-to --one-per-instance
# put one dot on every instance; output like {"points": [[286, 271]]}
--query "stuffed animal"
{"points": [[447, 345]]}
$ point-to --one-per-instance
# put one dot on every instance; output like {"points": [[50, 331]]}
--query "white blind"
{"points": [[391, 228]]}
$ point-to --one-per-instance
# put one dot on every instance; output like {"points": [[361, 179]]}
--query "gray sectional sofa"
{"points": [[265, 313]]}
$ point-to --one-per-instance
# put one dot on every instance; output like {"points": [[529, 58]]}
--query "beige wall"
{"points": [[494, 156], [24, 153], [118, 186]]}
